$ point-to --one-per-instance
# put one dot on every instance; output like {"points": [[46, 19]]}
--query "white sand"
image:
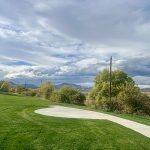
{"points": [[67, 112]]}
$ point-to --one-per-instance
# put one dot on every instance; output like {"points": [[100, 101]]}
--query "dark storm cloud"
{"points": [[135, 65], [102, 22]]}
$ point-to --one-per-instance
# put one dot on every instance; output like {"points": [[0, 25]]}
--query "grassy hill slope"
{"points": [[22, 129]]}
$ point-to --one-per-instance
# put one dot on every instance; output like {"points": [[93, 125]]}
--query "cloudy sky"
{"points": [[72, 40]]}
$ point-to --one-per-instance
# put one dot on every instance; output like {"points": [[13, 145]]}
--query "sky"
{"points": [[72, 40]]}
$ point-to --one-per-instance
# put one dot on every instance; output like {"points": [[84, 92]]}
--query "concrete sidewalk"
{"points": [[67, 112]]}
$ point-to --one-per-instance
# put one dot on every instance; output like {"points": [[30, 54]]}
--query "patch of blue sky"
{"points": [[18, 63]]}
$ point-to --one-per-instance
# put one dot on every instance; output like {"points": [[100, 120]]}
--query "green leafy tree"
{"points": [[100, 93], [126, 97], [119, 78]]}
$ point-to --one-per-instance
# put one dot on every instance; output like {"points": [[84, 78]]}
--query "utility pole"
{"points": [[41, 81], [110, 78], [25, 84]]}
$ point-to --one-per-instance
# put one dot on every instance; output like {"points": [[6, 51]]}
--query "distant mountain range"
{"points": [[75, 86], [58, 86], [145, 90], [32, 86]]}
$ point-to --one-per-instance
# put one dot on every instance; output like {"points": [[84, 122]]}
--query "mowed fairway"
{"points": [[22, 129]]}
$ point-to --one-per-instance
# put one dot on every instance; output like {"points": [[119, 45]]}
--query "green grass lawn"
{"points": [[22, 129]]}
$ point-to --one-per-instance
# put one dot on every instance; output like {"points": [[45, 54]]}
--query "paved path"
{"points": [[67, 112]]}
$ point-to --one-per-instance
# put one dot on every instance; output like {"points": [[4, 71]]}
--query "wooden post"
{"points": [[110, 78]]}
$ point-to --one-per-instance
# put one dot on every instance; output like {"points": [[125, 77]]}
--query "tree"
{"points": [[100, 93], [126, 97], [5, 86], [119, 78], [1, 83], [46, 89]]}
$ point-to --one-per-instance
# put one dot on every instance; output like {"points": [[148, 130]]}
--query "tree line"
{"points": [[47, 90], [126, 95]]}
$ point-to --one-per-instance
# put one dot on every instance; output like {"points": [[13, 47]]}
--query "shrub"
{"points": [[30, 92], [68, 95], [133, 100], [78, 98], [20, 89], [55, 96], [146, 103], [90, 103], [46, 89]]}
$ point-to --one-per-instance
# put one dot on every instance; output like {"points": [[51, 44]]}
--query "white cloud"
{"points": [[86, 62], [74, 38], [143, 86]]}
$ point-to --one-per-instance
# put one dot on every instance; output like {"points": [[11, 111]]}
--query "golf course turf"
{"points": [[22, 129]]}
